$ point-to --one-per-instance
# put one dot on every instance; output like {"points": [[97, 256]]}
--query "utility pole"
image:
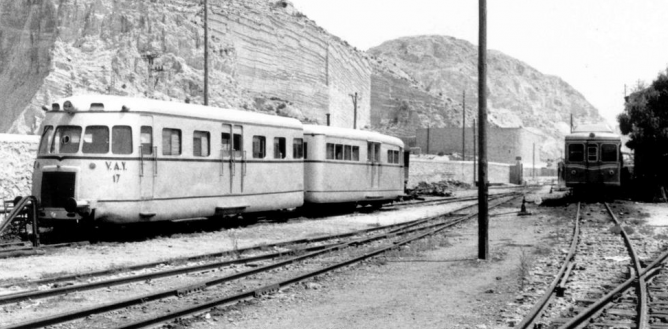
{"points": [[475, 167], [354, 98], [571, 123], [533, 168], [464, 126], [206, 52], [483, 216], [428, 137]]}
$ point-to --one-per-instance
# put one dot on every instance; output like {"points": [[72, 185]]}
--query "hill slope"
{"points": [[518, 95]]}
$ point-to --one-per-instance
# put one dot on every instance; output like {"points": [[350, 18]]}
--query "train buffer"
{"points": [[22, 209]]}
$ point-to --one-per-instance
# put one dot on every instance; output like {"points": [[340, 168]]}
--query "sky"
{"points": [[596, 46]]}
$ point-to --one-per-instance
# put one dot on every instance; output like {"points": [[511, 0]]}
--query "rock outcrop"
{"points": [[263, 56]]}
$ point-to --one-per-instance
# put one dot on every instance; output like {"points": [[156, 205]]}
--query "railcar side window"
{"points": [[297, 148], [575, 152], [121, 140], [356, 153], [373, 152], [347, 152], [96, 140], [237, 144], [231, 145], [592, 153], [392, 156], [279, 148], [66, 139], [201, 147], [46, 139], [339, 152], [609, 153], [305, 150], [330, 151], [146, 140], [259, 147], [171, 141]]}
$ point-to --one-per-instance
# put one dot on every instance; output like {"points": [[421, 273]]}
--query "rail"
{"points": [[430, 229], [561, 276]]}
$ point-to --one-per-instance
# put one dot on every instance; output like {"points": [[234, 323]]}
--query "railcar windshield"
{"points": [[44, 143], [96, 140], [609, 153], [66, 140], [575, 152], [121, 140]]}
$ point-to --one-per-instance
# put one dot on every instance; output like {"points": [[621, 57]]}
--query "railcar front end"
{"points": [[124, 160], [593, 160]]}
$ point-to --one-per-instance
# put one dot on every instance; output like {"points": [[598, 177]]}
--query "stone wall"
{"points": [[503, 144], [423, 169], [17, 156]]}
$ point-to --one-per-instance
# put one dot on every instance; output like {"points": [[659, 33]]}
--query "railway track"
{"points": [[21, 248], [206, 282], [602, 279]]}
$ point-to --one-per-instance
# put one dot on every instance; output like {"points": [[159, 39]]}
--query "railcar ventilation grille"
{"points": [[57, 187]]}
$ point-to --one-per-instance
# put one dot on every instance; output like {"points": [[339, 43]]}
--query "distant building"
{"points": [[504, 145]]}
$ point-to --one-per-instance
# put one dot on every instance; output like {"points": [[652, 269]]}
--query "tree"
{"points": [[645, 120]]}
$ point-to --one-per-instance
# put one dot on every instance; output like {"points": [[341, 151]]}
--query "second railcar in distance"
{"points": [[352, 166], [593, 158]]}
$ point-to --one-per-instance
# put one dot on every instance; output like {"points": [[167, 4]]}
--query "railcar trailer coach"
{"points": [[352, 166], [121, 160], [593, 158]]}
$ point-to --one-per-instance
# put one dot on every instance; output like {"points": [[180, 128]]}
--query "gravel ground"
{"points": [[442, 288]]}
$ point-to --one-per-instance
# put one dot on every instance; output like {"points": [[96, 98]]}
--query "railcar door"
{"points": [[373, 168], [233, 156], [593, 166], [147, 161]]}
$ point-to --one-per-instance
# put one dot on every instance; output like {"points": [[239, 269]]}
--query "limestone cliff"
{"points": [[264, 56], [436, 70]]}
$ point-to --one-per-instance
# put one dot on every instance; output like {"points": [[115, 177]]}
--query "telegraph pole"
{"points": [[206, 52], [354, 98], [464, 126], [483, 218], [475, 167]]}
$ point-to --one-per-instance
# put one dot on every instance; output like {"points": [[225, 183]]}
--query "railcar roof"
{"points": [[352, 133], [115, 103], [597, 135], [595, 127]]}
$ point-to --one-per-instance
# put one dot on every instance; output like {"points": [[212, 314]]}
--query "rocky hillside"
{"points": [[439, 68], [264, 56]]}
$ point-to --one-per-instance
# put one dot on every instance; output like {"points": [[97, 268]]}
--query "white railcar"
{"points": [[352, 166], [121, 160]]}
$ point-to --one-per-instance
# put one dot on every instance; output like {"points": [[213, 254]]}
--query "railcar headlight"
{"points": [[611, 172], [91, 166], [572, 172]]}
